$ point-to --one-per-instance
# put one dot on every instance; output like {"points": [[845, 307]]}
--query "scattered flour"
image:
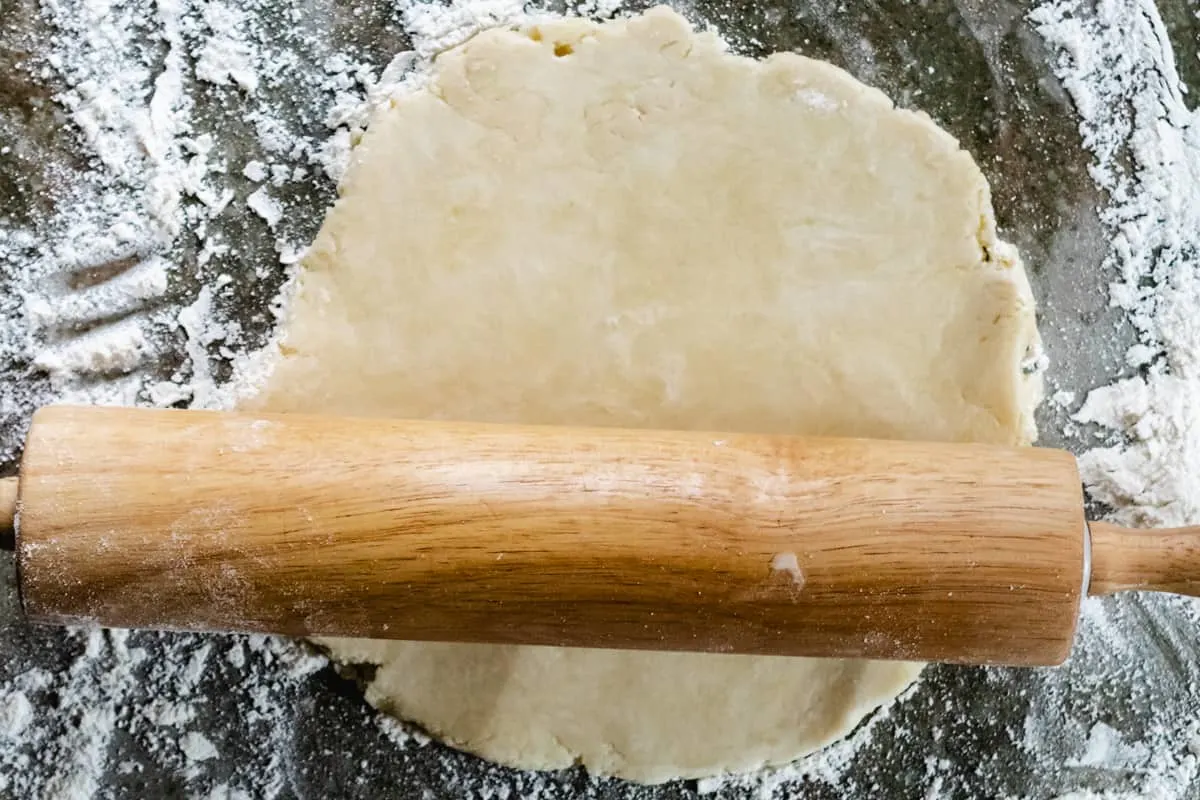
{"points": [[142, 686], [1117, 63], [15, 714], [255, 171], [226, 56], [265, 206], [91, 311], [197, 747], [437, 27], [1150, 478], [1106, 747]]}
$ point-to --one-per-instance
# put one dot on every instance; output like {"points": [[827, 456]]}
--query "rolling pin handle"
{"points": [[8, 513], [1129, 560]]}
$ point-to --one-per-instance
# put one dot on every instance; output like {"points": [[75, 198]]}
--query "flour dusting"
{"points": [[1118, 65]]}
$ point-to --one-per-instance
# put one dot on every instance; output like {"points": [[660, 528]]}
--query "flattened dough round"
{"points": [[623, 224]]}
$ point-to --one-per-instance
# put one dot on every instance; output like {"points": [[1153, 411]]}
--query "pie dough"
{"points": [[623, 224]]}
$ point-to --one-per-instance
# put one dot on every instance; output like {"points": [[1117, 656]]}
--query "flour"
{"points": [[255, 171], [265, 206], [95, 300], [116, 297], [226, 56], [1105, 746], [15, 714], [1119, 68], [97, 314], [436, 27], [1149, 480], [197, 747], [1117, 63], [115, 687], [114, 349]]}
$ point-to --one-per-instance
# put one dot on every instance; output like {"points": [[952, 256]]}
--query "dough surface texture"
{"points": [[623, 224]]}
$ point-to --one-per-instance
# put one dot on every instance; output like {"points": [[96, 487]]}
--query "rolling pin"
{"points": [[451, 531]]}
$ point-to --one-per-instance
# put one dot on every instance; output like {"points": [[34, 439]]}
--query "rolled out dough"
{"points": [[623, 224]]}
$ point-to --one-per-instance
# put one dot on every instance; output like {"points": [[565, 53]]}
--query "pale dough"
{"points": [[623, 224]]}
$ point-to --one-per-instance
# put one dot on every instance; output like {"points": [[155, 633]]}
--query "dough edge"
{"points": [[1004, 262]]}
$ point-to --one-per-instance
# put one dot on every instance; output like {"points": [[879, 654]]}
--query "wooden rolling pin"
{"points": [[730, 543]]}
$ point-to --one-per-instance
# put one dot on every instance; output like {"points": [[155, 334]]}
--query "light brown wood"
{"points": [[8, 510], [8, 502], [1124, 559], [557, 536]]}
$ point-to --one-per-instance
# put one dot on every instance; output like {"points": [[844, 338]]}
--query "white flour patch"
{"points": [[1120, 70], [1117, 63], [15, 714], [1149, 479], [787, 564], [196, 747], [265, 206], [226, 56], [102, 692], [93, 306], [437, 27]]}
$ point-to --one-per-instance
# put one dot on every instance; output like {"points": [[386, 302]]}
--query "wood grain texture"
{"points": [[557, 536], [8, 512], [8, 502], [1124, 559]]}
